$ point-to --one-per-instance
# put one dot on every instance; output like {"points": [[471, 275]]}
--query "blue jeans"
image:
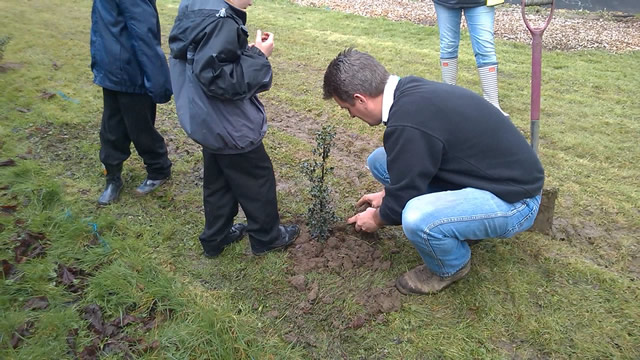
{"points": [[480, 23], [438, 222]]}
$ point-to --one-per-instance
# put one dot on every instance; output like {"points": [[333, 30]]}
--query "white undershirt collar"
{"points": [[387, 96]]}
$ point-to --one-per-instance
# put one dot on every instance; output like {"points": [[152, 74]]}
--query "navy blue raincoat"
{"points": [[126, 55]]}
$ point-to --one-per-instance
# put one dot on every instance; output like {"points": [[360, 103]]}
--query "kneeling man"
{"points": [[453, 167]]}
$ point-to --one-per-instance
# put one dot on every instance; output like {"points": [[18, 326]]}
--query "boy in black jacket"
{"points": [[216, 76], [454, 168]]}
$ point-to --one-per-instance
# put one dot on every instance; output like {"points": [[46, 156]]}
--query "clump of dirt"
{"points": [[346, 252], [343, 251], [381, 300]]}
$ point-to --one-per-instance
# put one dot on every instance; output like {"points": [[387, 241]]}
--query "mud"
{"points": [[381, 300], [344, 251], [347, 254], [544, 220]]}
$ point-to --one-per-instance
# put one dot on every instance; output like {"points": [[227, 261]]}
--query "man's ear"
{"points": [[359, 98]]}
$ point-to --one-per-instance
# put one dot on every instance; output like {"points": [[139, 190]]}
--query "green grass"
{"points": [[534, 296]]}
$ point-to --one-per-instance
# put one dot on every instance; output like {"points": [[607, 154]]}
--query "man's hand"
{"points": [[371, 200], [368, 220], [264, 42]]}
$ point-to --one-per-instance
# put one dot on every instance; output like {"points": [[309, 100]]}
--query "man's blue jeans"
{"points": [[480, 23], [438, 222]]}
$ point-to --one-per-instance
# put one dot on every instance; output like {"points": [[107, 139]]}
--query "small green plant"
{"points": [[321, 215], [4, 40]]}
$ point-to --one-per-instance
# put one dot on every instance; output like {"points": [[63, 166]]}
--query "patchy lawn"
{"points": [[129, 281]]}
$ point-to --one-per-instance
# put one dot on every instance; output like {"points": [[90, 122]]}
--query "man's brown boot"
{"points": [[421, 281]]}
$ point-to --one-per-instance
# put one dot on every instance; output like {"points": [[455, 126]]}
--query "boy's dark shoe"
{"points": [[288, 234], [236, 233], [148, 186], [421, 281], [111, 193]]}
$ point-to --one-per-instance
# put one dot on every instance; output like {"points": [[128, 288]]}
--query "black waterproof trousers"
{"points": [[130, 118], [247, 179]]}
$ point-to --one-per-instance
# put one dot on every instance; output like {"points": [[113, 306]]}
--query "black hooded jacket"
{"points": [[216, 76], [449, 138]]}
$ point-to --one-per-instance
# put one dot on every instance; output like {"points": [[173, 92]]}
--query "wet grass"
{"points": [[573, 295]]}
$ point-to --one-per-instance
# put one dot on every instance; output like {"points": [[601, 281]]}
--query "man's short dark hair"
{"points": [[354, 72]]}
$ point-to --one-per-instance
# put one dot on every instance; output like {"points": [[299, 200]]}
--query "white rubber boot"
{"points": [[449, 69], [489, 83]]}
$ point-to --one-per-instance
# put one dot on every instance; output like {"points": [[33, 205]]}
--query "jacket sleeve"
{"points": [[143, 24], [413, 158], [226, 68]]}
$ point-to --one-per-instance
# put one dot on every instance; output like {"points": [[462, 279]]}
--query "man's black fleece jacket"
{"points": [[449, 138]]}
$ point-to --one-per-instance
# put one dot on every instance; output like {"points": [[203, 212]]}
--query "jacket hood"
{"points": [[194, 16]]}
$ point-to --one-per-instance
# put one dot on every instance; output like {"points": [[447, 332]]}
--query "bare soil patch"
{"points": [[5, 67], [344, 251], [348, 254]]}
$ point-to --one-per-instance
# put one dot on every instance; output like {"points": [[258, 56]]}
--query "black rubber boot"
{"points": [[111, 192]]}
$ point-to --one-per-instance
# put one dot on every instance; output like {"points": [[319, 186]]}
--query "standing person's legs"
{"points": [[480, 21], [251, 179], [438, 223], [114, 139], [139, 112], [114, 146], [449, 27], [220, 207]]}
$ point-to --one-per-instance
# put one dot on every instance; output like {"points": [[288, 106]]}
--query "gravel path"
{"points": [[569, 30]]}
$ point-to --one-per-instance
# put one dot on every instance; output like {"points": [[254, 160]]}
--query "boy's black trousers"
{"points": [[245, 178], [127, 118]]}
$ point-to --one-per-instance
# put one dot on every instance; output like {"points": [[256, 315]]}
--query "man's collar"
{"points": [[387, 96]]}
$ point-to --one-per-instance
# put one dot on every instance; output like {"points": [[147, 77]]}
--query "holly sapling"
{"points": [[321, 214]]}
